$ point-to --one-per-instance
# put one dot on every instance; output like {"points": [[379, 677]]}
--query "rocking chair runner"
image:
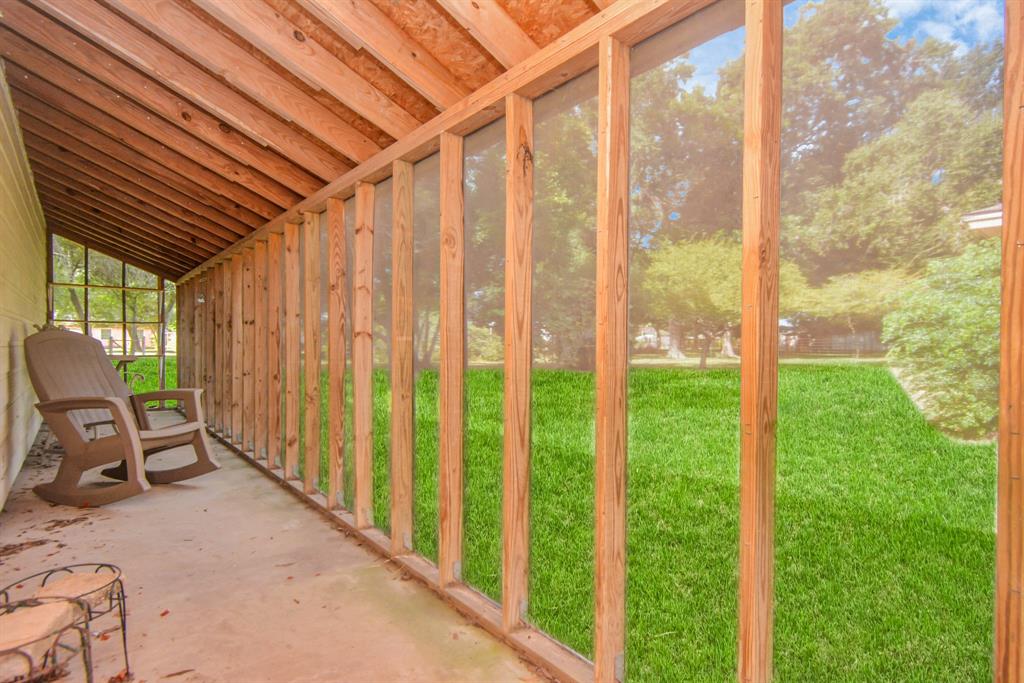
{"points": [[79, 389]]}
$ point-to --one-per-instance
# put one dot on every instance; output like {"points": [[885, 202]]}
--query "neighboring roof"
{"points": [[989, 219], [177, 127]]}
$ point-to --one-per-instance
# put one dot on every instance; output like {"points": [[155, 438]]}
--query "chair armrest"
{"points": [[56, 414], [189, 397], [63, 405], [169, 395]]}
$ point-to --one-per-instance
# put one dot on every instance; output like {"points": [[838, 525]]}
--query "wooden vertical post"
{"points": [[311, 358], [196, 363], [515, 568], [275, 254], [1009, 625], [260, 350], [249, 345], [336, 342], [209, 352], [401, 356], [184, 342], [362, 355], [237, 353], [292, 361], [762, 133], [218, 372], [228, 367], [612, 360], [453, 358]]}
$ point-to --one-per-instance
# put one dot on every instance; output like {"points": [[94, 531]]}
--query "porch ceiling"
{"points": [[162, 131]]}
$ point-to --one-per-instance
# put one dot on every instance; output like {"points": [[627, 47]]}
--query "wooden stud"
{"points": [[515, 566], [612, 361], [311, 356], [275, 255], [220, 371], [228, 367], [401, 357], [292, 355], [237, 352], [762, 134], [182, 325], [1009, 624], [336, 351], [249, 346], [362, 356], [210, 352], [260, 350], [453, 359], [494, 29]]}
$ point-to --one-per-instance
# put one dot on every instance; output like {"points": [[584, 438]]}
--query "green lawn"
{"points": [[884, 528]]}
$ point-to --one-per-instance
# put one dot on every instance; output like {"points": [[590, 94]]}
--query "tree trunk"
{"points": [[727, 349], [705, 351], [675, 342]]}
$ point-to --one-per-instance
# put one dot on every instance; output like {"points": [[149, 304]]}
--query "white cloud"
{"points": [[904, 9]]}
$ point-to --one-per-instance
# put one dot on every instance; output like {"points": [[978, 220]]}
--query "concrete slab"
{"points": [[229, 578]]}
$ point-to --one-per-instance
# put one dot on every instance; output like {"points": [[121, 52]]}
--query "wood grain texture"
{"points": [[209, 346], [1009, 624], [362, 356], [259, 449], [311, 347], [401, 357], [217, 372], [762, 133], [515, 566], [494, 29], [237, 351], [228, 367], [292, 351], [337, 279], [248, 348], [612, 356], [453, 358], [275, 287]]}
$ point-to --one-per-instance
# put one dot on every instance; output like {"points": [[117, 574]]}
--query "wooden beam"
{"points": [[229, 347], [96, 83], [336, 348], [401, 357], [275, 256], [1009, 625], [292, 353], [260, 350], [221, 371], [237, 351], [311, 355], [249, 346], [562, 60], [302, 55], [363, 25], [207, 216], [103, 242], [198, 332], [362, 356], [207, 46], [215, 189], [494, 29], [453, 358], [612, 358], [515, 565], [762, 135], [209, 348]]}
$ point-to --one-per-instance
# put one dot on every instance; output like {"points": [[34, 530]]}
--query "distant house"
{"points": [[987, 221]]}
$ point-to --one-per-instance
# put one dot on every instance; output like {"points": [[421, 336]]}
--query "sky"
{"points": [[964, 22]]}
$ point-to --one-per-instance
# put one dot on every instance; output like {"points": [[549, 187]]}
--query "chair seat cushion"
{"points": [[88, 586], [25, 630]]}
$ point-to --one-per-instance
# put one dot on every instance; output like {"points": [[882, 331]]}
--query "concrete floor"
{"points": [[229, 578]]}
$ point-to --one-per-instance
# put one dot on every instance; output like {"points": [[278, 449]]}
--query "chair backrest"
{"points": [[64, 364]]}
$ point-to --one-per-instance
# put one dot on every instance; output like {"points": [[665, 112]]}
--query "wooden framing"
{"points": [[612, 366], [275, 257], [762, 141], [292, 355], [515, 565], [220, 368], [494, 29], [237, 352], [311, 350], [337, 276], [228, 367], [453, 359], [249, 346], [362, 356], [209, 347], [1009, 622], [260, 350]]}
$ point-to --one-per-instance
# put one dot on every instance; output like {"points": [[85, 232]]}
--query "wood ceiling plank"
{"points": [[207, 46], [301, 54], [161, 270], [494, 29], [110, 160], [104, 68], [204, 183], [123, 192], [201, 226], [360, 23]]}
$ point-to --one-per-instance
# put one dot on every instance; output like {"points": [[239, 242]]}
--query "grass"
{"points": [[884, 527]]}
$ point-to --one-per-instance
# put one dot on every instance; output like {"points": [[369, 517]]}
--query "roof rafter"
{"points": [[126, 243], [493, 28], [76, 233], [360, 23], [276, 36]]}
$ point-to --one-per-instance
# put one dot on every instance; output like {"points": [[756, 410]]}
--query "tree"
{"points": [[944, 340]]}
